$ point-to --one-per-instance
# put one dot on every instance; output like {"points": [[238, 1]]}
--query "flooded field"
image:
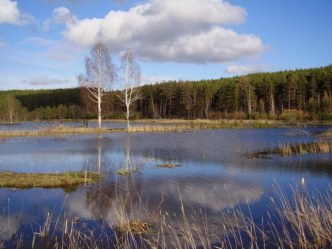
{"points": [[214, 171]]}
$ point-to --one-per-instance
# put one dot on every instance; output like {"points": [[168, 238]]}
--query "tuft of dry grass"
{"points": [[158, 128], [321, 146], [135, 227], [168, 165], [46, 180], [326, 134], [291, 149], [126, 171], [305, 218]]}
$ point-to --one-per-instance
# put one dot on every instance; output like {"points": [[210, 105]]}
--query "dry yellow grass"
{"points": [[170, 125], [327, 134], [199, 124], [302, 219], [159, 128], [321, 146], [54, 131]]}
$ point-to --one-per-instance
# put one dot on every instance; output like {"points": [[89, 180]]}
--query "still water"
{"points": [[216, 172]]}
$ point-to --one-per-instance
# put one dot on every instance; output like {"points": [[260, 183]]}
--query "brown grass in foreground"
{"points": [[303, 220]]}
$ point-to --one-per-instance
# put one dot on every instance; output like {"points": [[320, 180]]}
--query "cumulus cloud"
{"points": [[245, 69], [9, 13], [45, 81], [59, 15], [215, 45], [172, 30]]}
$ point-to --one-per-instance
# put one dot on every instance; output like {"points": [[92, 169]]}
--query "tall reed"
{"points": [[302, 219], [320, 146]]}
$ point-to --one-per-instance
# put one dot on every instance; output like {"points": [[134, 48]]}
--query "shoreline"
{"points": [[58, 127]]}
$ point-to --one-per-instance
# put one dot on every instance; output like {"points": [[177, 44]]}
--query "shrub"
{"points": [[293, 115]]}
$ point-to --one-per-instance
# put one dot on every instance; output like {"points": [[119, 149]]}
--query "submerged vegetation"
{"points": [[45, 180], [302, 220], [168, 165], [126, 171]]}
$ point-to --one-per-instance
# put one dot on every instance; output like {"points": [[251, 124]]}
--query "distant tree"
{"points": [[61, 111], [130, 80], [100, 75], [12, 109], [248, 91]]}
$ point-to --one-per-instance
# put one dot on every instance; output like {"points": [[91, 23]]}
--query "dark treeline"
{"points": [[299, 95], [23, 105]]}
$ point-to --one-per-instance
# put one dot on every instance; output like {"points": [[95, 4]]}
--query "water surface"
{"points": [[216, 173]]}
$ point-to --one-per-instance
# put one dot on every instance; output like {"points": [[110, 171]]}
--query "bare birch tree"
{"points": [[130, 79], [100, 75]]}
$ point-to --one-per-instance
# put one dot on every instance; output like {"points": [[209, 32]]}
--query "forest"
{"points": [[297, 95]]}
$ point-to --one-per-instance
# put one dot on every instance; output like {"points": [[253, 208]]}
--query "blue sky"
{"points": [[43, 43]]}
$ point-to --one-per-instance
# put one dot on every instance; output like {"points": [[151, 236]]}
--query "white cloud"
{"points": [[215, 45], [1, 43], [9, 13], [59, 15], [45, 81], [148, 79], [172, 30], [245, 69]]}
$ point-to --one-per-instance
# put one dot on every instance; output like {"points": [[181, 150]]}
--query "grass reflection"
{"points": [[301, 220]]}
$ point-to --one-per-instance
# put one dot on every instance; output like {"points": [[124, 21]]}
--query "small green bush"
{"points": [[293, 115]]}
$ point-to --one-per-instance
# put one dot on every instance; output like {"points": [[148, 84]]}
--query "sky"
{"points": [[43, 43]]}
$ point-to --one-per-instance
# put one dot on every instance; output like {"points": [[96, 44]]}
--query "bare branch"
{"points": [[130, 79], [100, 75]]}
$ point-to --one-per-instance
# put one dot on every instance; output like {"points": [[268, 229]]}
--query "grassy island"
{"points": [[45, 180]]}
